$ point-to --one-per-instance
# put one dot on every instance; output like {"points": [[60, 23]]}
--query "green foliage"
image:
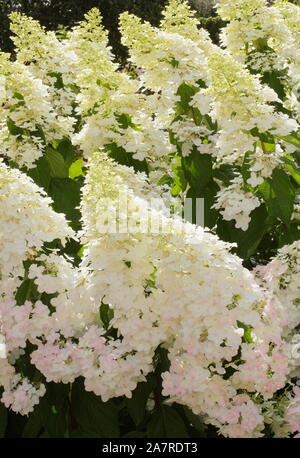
{"points": [[3, 419], [63, 14], [278, 194], [136, 405], [166, 422], [65, 193], [26, 291], [198, 170], [213, 25], [92, 417]]}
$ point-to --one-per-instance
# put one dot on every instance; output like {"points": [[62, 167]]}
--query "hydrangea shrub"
{"points": [[109, 328]]}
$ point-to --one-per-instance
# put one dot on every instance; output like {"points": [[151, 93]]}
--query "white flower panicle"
{"points": [[267, 37], [27, 221], [50, 60], [123, 118], [186, 316], [28, 120], [282, 276], [241, 104]]}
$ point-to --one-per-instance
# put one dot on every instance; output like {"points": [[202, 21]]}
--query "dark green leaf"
{"points": [[13, 128], [26, 291], [198, 169], [41, 174], [34, 424], [166, 423], [124, 120], [273, 80], [59, 81], [265, 137], [66, 197], [225, 173], [208, 194], [94, 417], [247, 241], [106, 314], [136, 405], [195, 420], [58, 168], [54, 408], [3, 419], [278, 194], [289, 234], [125, 158], [186, 91], [67, 150], [38, 132], [246, 166], [135, 434]]}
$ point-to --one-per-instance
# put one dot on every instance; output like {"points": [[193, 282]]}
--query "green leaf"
{"points": [[198, 169], [124, 120], [18, 96], [273, 80], [136, 405], [75, 169], [247, 241], [26, 291], [166, 423], [58, 168], [186, 91], [293, 139], [246, 166], [94, 417], [174, 62], [261, 44], [81, 250], [66, 197], [13, 128], [289, 234], [179, 180], [124, 158], [34, 424], [106, 315], [225, 173], [41, 174], [278, 194], [134, 434], [54, 408], [59, 81], [67, 150], [265, 137], [292, 168], [247, 338], [208, 194], [166, 179], [195, 420], [3, 419]]}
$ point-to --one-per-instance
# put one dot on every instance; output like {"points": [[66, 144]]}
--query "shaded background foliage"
{"points": [[55, 13]]}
